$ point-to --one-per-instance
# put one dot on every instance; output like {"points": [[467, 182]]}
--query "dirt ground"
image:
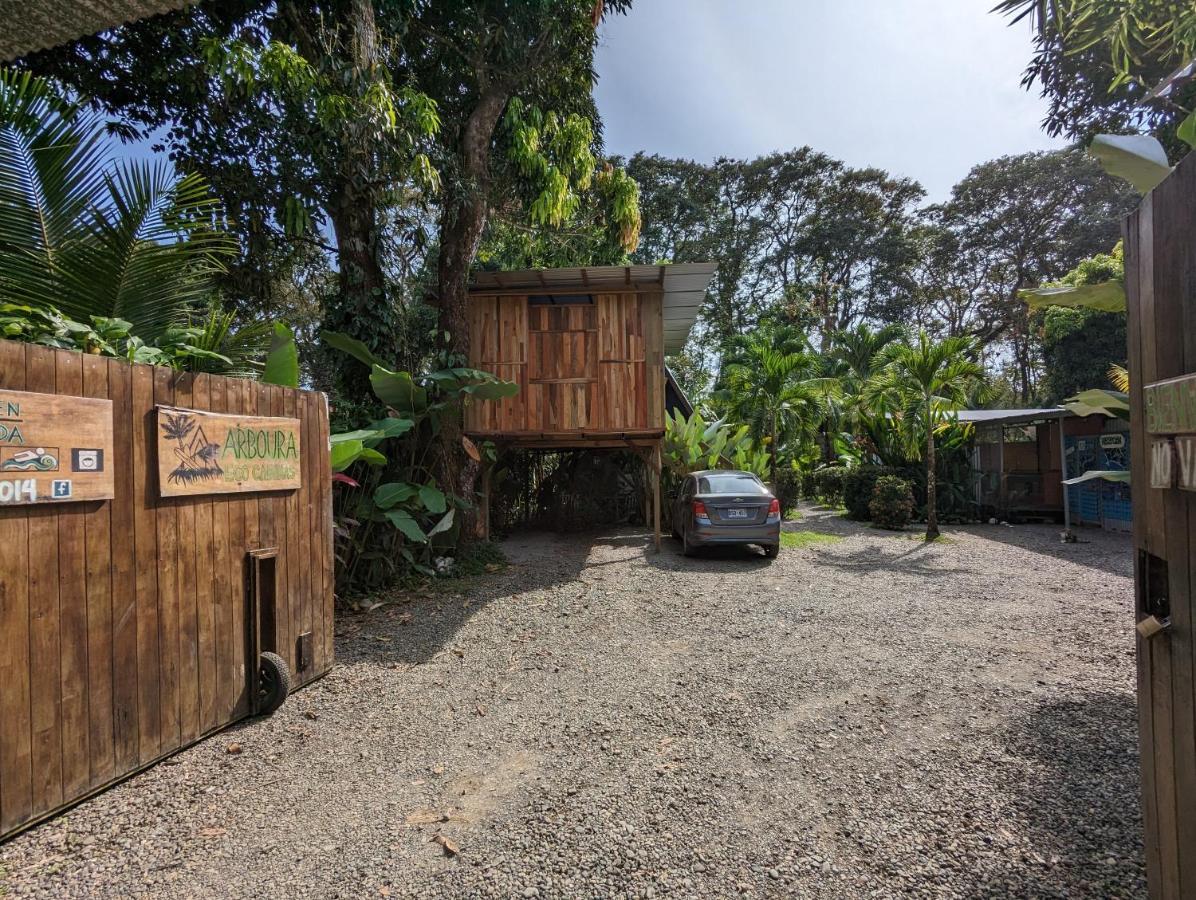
{"points": [[869, 717]]}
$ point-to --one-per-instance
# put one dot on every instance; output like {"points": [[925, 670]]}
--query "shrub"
{"points": [[892, 503], [828, 484], [857, 490], [807, 485], [787, 486]]}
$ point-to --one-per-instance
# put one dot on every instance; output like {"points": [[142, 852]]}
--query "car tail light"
{"points": [[699, 509], [774, 510]]}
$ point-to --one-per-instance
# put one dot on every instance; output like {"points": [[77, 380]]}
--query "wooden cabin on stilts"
{"points": [[587, 348]]}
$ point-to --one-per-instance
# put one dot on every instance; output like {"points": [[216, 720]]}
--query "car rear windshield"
{"points": [[730, 484]]}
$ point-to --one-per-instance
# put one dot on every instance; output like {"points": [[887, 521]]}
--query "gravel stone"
{"points": [[875, 717]]}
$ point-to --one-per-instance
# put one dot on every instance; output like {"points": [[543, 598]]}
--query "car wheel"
{"points": [[686, 547], [771, 550]]}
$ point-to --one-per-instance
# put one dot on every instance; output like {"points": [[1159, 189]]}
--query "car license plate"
{"points": [[735, 512]]}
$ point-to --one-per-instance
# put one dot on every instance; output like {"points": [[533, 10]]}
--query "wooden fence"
{"points": [[1160, 244], [126, 625]]}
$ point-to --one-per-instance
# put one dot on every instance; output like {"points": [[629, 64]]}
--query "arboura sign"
{"points": [[216, 453], [1171, 419]]}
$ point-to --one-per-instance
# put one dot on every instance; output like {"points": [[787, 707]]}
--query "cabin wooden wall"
{"points": [[123, 625], [593, 369], [1160, 259]]}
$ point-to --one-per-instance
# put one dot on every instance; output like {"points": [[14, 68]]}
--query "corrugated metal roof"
{"points": [[683, 286], [1011, 416], [27, 26]]}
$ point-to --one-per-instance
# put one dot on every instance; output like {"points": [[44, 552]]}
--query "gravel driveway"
{"points": [[867, 718]]}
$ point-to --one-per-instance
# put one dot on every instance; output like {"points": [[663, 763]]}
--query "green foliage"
{"points": [[1099, 63], [282, 359], [829, 482], [208, 346], [892, 503], [1081, 344], [857, 490], [691, 444], [393, 515], [91, 238]]}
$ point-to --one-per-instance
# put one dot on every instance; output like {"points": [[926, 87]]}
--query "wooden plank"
{"points": [[190, 723], [145, 525], [72, 598], [170, 683], [125, 692], [16, 788], [307, 548], [651, 311], [295, 561], [217, 453], [284, 625], [44, 648], [98, 537], [327, 554], [57, 443], [205, 585], [223, 600], [238, 573], [1172, 229]]}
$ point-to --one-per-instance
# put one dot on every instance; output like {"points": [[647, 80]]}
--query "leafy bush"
{"points": [[828, 484], [393, 517], [210, 344], [807, 485], [892, 503], [857, 490], [691, 444], [788, 486]]}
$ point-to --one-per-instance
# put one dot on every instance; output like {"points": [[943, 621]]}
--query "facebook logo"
{"points": [[60, 489]]}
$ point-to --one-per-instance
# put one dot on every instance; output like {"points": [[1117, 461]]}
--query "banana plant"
{"points": [[397, 509]]}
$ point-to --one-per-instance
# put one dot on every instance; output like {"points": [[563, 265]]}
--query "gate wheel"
{"points": [[273, 682]]}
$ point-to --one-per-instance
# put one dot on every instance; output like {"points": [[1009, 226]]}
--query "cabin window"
{"points": [[561, 300]]}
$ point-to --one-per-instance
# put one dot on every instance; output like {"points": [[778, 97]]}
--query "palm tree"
{"points": [[779, 393], [856, 358], [926, 382], [89, 237]]}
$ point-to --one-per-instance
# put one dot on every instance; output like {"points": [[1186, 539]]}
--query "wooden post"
{"points": [[486, 501], [656, 466], [1001, 502], [1067, 535]]}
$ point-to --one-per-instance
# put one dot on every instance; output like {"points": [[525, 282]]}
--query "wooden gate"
{"points": [[1160, 245], [127, 625]]}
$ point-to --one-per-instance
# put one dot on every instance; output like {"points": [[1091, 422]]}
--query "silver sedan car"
{"points": [[725, 506]]}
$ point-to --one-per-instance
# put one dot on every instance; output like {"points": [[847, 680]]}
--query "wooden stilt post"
{"points": [[656, 466], [486, 501]]}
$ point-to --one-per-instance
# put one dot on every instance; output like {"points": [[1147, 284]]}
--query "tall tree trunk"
{"points": [[463, 218], [462, 222], [932, 510], [772, 452], [361, 308]]}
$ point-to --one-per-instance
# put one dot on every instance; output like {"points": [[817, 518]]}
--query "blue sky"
{"points": [[923, 88]]}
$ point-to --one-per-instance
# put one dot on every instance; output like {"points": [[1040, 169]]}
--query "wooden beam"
{"points": [[656, 467], [485, 502]]}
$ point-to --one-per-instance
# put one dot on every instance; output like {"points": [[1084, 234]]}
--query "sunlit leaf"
{"points": [[1138, 158], [1108, 296], [282, 362], [1121, 476]]}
